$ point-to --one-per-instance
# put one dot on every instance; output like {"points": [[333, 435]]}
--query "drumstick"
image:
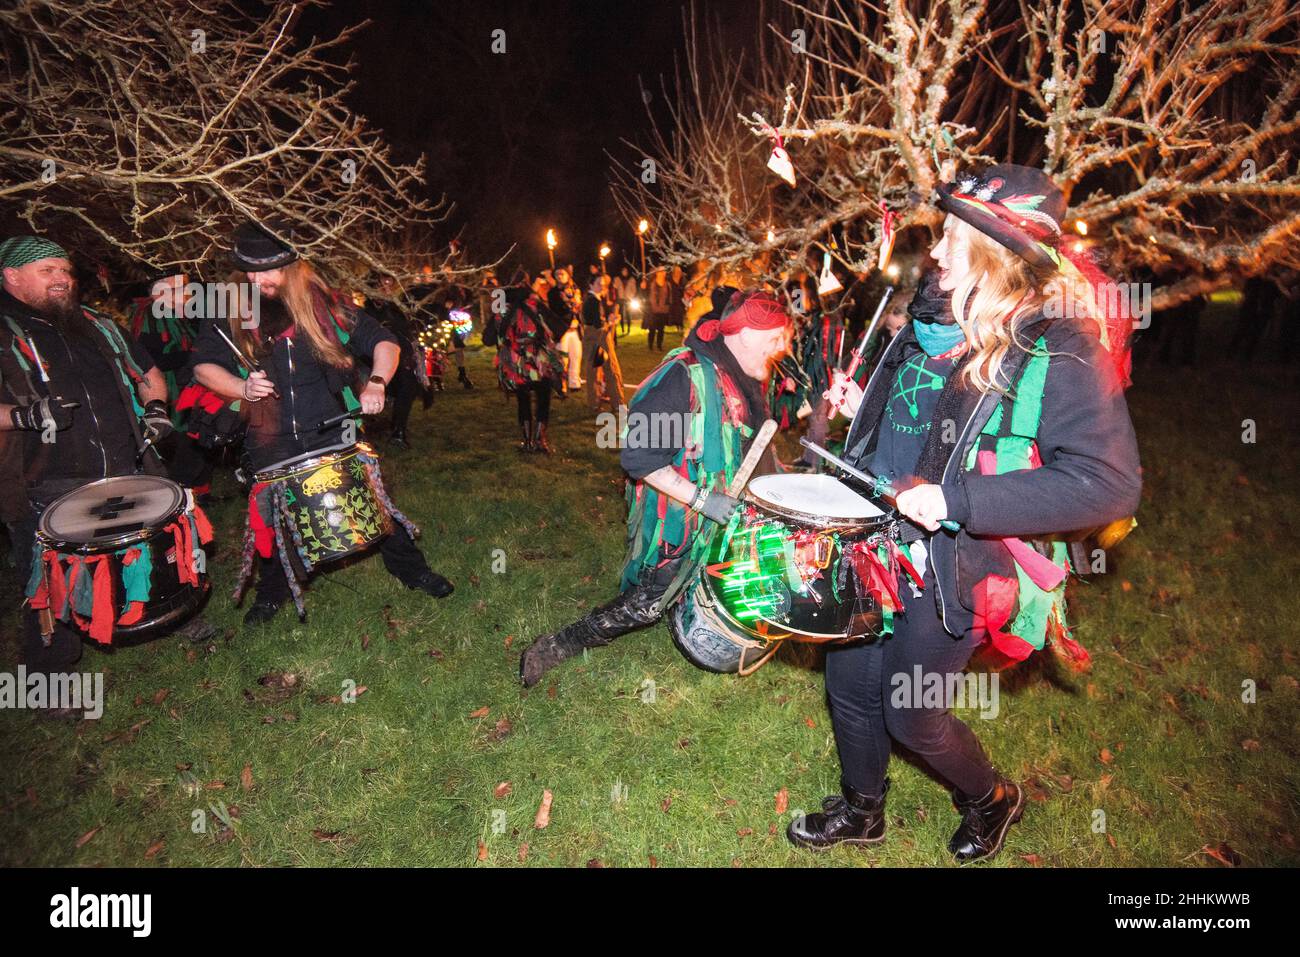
{"points": [[336, 419], [247, 363], [879, 487], [859, 351], [750, 462]]}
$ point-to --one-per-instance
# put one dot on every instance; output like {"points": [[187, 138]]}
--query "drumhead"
{"points": [[112, 511], [313, 459], [816, 495]]}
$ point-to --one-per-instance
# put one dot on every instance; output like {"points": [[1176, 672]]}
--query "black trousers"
{"points": [[403, 390], [543, 392], [656, 327], [65, 646], [862, 688], [402, 557]]}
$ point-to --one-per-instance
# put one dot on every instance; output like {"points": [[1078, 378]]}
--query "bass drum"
{"points": [[707, 640]]}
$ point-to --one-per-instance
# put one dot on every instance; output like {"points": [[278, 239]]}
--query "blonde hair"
{"points": [[304, 295], [1000, 295]]}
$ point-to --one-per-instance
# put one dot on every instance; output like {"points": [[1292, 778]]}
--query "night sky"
{"points": [[519, 139]]}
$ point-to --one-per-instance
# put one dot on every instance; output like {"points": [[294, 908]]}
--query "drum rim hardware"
{"points": [[99, 545]]}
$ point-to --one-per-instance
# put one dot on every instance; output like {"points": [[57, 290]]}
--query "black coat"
{"points": [[1090, 474]]}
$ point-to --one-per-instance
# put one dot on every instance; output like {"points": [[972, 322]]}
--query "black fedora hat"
{"points": [[256, 250], [1020, 207]]}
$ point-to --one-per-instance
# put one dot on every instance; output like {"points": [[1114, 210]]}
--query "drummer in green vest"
{"points": [[688, 428], [999, 409]]}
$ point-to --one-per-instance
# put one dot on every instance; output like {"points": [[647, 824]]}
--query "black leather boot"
{"points": [[549, 650], [985, 820], [635, 608], [851, 818], [526, 429], [464, 379], [539, 442]]}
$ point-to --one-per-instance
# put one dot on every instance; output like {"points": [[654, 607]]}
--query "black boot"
{"points": [[549, 650], [985, 820], [635, 608], [526, 429], [261, 612], [464, 379], [853, 818], [540, 444], [398, 438]]}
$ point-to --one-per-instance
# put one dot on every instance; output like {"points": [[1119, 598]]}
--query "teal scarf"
{"points": [[936, 338]]}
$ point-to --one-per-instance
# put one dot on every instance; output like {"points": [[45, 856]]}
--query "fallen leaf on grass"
{"points": [[246, 777], [744, 831], [502, 730], [551, 690], [1224, 854], [1105, 756], [365, 642], [1250, 744], [502, 790], [480, 713], [665, 804], [654, 861], [544, 810], [1032, 859], [595, 862], [321, 835], [1104, 781], [215, 785], [810, 722], [436, 655], [782, 800], [1110, 839], [161, 695], [153, 849], [523, 851], [482, 851], [510, 640], [85, 838]]}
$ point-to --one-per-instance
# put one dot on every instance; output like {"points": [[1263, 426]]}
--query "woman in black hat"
{"points": [[1001, 409]]}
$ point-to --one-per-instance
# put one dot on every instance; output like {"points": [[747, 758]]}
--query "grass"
{"points": [[1156, 738]]}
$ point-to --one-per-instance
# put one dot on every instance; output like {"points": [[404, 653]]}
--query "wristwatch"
{"points": [[379, 381]]}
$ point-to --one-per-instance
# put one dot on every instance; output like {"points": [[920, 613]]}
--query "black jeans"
{"points": [[863, 690], [403, 390], [402, 558], [656, 326], [65, 644], [543, 392]]}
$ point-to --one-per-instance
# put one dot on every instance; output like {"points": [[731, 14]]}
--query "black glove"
{"points": [[157, 420], [718, 506], [32, 417]]}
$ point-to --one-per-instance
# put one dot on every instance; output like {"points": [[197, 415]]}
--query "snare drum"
{"points": [[777, 573], [121, 557], [330, 502]]}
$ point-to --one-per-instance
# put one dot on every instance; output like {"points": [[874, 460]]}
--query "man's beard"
{"points": [[62, 310]]}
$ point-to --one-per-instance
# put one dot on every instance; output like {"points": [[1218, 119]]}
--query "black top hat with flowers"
{"points": [[256, 250], [1018, 206]]}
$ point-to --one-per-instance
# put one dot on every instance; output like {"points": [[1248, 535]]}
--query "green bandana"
{"points": [[18, 251]]}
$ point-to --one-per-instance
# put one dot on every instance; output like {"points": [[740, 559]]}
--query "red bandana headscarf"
{"points": [[752, 309]]}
